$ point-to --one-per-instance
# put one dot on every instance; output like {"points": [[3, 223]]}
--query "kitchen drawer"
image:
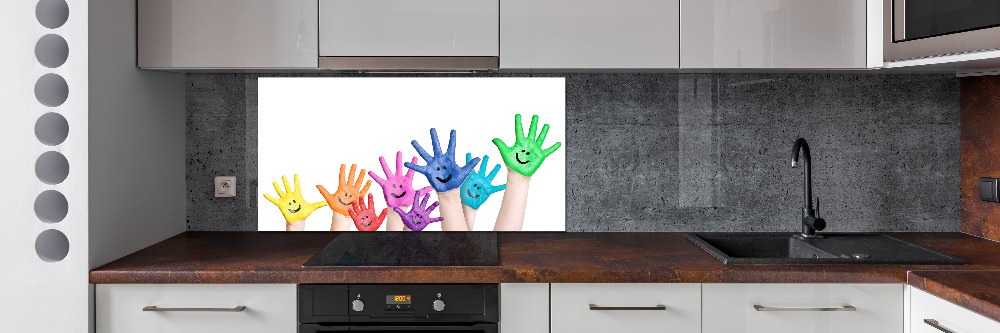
{"points": [[680, 307], [729, 308], [949, 316], [269, 308]]}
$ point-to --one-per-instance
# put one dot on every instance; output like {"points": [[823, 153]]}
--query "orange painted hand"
{"points": [[364, 216], [349, 190], [293, 206]]}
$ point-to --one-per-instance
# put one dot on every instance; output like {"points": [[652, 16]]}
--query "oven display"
{"points": [[397, 299]]}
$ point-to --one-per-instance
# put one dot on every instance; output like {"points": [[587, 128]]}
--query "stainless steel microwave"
{"points": [[928, 28]]}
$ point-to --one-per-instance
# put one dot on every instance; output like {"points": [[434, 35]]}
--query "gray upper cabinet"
{"points": [[589, 34], [409, 34], [523, 34], [407, 28], [775, 34], [219, 34]]}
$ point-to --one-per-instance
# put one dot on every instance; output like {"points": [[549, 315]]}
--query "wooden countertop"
{"points": [[277, 257], [978, 291]]}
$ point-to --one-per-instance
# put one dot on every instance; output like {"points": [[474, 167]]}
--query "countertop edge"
{"points": [[936, 283]]}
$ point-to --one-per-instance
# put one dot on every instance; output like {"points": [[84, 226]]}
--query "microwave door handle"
{"points": [[898, 19]]}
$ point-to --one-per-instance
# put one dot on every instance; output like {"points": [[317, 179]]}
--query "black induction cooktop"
{"points": [[407, 248]]}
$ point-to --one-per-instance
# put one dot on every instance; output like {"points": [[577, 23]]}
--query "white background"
{"points": [[310, 126]]}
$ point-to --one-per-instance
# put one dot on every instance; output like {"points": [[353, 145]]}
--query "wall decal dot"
{"points": [[51, 90], [51, 206], [52, 168], [51, 51], [51, 128], [52, 245], [52, 13]]}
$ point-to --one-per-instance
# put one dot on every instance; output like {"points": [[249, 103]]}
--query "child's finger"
{"points": [[385, 167], [343, 177], [350, 176], [270, 198], [365, 190], [276, 188], [435, 143], [420, 150], [541, 136], [288, 189]]}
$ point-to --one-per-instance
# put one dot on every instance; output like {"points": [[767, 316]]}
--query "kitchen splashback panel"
{"points": [[681, 152]]}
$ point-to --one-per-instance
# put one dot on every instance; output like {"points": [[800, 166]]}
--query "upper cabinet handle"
{"points": [[630, 308], [759, 307], [935, 324], [233, 309]]}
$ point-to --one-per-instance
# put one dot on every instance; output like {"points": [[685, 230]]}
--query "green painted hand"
{"points": [[527, 154]]}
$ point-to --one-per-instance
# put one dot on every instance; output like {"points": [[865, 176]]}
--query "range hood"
{"points": [[409, 35], [410, 64]]}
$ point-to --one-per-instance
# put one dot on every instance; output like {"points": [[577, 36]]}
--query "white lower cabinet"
{"points": [[524, 308], [930, 314], [626, 307], [802, 308], [195, 308]]}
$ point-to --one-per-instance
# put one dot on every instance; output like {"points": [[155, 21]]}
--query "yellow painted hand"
{"points": [[293, 207], [348, 191]]}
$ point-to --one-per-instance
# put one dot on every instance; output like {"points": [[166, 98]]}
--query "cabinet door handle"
{"points": [[233, 309], [935, 324], [629, 308], [759, 307]]}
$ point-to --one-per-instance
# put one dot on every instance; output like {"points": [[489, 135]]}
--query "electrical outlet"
{"points": [[988, 189], [225, 186]]}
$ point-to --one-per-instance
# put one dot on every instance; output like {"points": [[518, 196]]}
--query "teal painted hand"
{"points": [[527, 154], [477, 188]]}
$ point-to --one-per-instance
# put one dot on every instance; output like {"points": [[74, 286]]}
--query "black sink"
{"points": [[787, 248]]}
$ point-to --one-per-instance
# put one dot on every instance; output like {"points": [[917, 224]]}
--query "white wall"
{"points": [[124, 125], [137, 125], [36, 295]]}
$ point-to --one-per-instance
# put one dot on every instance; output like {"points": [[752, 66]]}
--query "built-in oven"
{"points": [[927, 28], [388, 308]]}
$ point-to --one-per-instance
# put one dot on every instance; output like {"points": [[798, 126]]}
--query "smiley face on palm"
{"points": [[526, 155], [348, 191], [290, 201], [397, 187], [419, 215], [364, 216], [477, 188], [442, 172]]}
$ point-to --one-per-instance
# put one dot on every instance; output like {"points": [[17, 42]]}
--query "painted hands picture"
{"points": [[461, 190]]}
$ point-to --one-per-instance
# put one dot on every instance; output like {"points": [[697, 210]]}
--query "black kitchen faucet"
{"points": [[810, 222]]}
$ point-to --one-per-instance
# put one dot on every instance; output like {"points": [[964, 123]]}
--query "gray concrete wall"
{"points": [[682, 152]]}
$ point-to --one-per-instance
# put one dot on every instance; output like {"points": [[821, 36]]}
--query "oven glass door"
{"points": [[472, 328], [930, 18]]}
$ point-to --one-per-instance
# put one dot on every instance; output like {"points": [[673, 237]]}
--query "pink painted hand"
{"points": [[397, 187]]}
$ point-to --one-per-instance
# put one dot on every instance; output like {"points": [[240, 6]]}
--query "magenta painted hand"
{"points": [[397, 187], [419, 217]]}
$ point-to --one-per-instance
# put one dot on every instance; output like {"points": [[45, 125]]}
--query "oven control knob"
{"points": [[358, 305], [438, 305]]}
